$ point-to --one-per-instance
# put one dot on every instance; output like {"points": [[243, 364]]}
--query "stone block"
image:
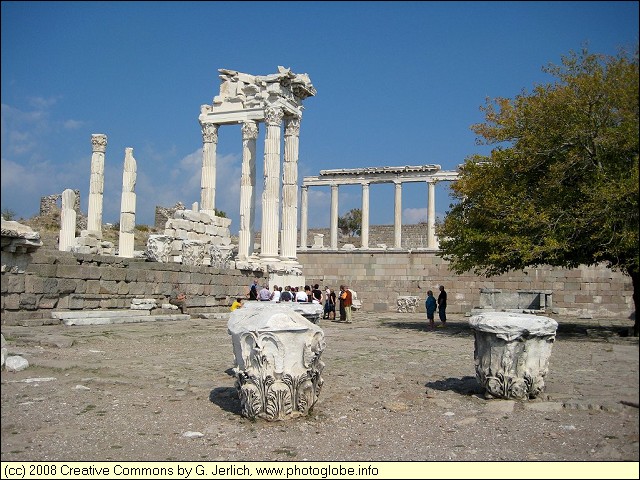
{"points": [[15, 283], [42, 270], [113, 274], [28, 302]]}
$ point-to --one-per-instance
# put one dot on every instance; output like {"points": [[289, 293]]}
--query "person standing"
{"points": [[253, 290], [347, 300], [431, 305], [442, 306], [264, 295], [343, 313], [286, 295], [317, 293], [275, 296]]}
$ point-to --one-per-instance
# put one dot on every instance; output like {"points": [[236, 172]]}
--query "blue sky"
{"points": [[398, 83]]}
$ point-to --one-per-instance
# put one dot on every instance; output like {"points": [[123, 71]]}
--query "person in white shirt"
{"points": [[301, 296], [275, 296]]}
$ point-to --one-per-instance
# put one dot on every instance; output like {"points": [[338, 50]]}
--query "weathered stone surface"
{"points": [[512, 352], [16, 363], [407, 303], [278, 367]]}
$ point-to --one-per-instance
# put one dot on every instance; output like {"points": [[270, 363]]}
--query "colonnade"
{"points": [[431, 174], [275, 100]]}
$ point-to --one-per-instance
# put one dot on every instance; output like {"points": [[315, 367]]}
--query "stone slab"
{"points": [[97, 314]]}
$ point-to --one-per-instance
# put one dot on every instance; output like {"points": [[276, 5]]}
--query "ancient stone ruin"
{"points": [[278, 367], [18, 242], [512, 352], [274, 100]]}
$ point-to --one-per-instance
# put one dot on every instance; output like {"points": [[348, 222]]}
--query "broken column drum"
{"points": [[278, 367], [512, 352]]}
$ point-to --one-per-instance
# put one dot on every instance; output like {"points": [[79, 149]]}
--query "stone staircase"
{"points": [[105, 317]]}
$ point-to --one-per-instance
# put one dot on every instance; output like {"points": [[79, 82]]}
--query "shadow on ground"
{"points": [[585, 331], [461, 386], [567, 330], [227, 399], [452, 327]]}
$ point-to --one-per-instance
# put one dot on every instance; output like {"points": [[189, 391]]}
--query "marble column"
{"points": [[208, 177], [511, 353], [290, 189], [246, 235], [397, 220], [67, 221], [364, 232], [304, 216], [271, 193], [96, 185], [128, 206], [431, 215], [334, 217]]}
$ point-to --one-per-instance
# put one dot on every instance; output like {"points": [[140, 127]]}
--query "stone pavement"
{"points": [[392, 391]]}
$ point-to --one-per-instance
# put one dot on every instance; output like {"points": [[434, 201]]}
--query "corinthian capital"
{"points": [[292, 126], [209, 132], [273, 116], [249, 130], [99, 142]]}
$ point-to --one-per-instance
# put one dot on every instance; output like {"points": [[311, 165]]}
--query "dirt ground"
{"points": [[392, 391]]}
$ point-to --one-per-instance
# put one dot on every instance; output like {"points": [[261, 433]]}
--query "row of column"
{"points": [[67, 237], [364, 234], [271, 211]]}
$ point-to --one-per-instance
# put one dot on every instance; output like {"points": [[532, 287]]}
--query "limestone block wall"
{"points": [[73, 281], [381, 277], [188, 225], [413, 236]]}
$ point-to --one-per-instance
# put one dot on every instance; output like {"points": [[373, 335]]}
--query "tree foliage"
{"points": [[560, 186], [351, 223]]}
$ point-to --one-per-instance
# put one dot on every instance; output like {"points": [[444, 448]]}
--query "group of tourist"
{"points": [[307, 294], [431, 304]]}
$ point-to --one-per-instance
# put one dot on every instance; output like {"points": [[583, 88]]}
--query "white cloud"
{"points": [[72, 124], [42, 103], [414, 215]]}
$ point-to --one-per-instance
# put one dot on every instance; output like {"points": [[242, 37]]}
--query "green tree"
{"points": [[351, 223], [560, 186]]}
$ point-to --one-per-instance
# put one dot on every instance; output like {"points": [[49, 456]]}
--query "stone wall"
{"points": [[413, 236], [380, 278], [73, 281], [54, 280], [163, 214]]}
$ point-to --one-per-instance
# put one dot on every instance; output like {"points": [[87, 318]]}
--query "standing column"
{"points": [[208, 176], [397, 220], [96, 185], [304, 216], [334, 217], [67, 221], [128, 206], [431, 215], [290, 189], [270, 195], [246, 234], [364, 231]]}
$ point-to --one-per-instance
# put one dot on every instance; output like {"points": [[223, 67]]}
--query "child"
{"points": [[236, 304], [431, 306]]}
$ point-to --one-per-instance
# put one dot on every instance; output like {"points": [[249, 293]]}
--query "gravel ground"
{"points": [[392, 391]]}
